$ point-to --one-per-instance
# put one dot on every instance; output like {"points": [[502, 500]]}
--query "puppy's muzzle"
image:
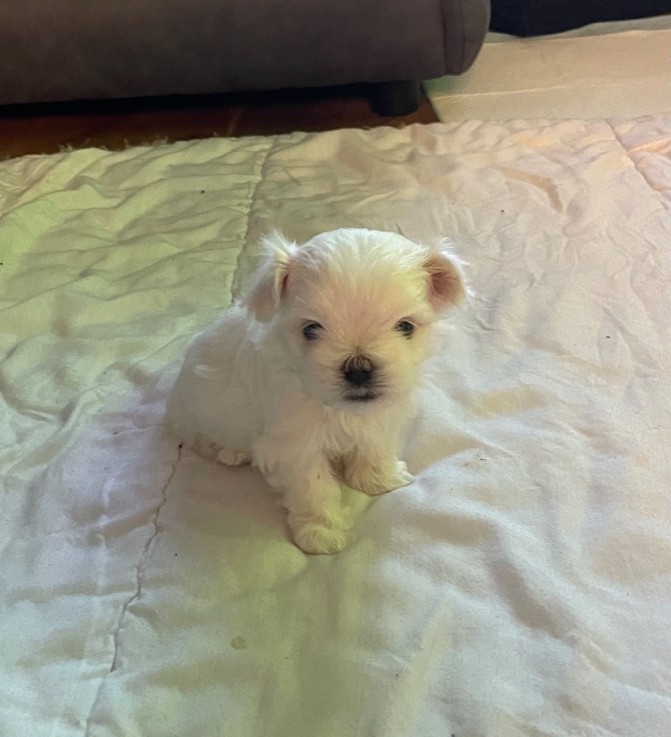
{"points": [[358, 371], [360, 379]]}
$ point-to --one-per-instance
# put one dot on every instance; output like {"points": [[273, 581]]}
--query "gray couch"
{"points": [[56, 50]]}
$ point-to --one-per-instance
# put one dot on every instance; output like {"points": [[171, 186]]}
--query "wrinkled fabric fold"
{"points": [[521, 585]]}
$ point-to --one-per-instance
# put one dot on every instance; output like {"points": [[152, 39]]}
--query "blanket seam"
{"points": [[616, 137], [235, 284], [139, 571]]}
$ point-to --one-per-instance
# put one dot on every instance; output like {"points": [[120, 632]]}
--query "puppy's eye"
{"points": [[405, 328], [311, 330]]}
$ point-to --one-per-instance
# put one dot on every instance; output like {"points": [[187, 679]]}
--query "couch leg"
{"points": [[395, 98]]}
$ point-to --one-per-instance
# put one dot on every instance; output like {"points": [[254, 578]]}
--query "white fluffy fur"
{"points": [[253, 388]]}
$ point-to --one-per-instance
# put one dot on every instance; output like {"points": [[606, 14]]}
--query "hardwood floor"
{"points": [[36, 129]]}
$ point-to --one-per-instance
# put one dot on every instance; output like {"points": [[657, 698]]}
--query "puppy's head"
{"points": [[354, 309]]}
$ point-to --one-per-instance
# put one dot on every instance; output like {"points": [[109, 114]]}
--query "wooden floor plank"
{"points": [[36, 129]]}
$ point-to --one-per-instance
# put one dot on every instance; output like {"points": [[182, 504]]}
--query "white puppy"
{"points": [[311, 377]]}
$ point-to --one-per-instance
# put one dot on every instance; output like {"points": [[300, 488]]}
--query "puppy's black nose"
{"points": [[358, 377], [358, 371]]}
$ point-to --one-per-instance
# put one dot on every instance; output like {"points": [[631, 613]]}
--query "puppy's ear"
{"points": [[270, 281], [447, 284]]}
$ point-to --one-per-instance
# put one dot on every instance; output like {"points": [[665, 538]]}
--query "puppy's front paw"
{"points": [[375, 481], [318, 539], [233, 457]]}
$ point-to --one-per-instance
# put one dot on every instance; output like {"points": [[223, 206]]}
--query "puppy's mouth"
{"points": [[367, 395]]}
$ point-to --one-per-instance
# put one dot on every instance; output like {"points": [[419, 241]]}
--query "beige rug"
{"points": [[605, 70]]}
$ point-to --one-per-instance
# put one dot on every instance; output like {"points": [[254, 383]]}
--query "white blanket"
{"points": [[521, 586]]}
